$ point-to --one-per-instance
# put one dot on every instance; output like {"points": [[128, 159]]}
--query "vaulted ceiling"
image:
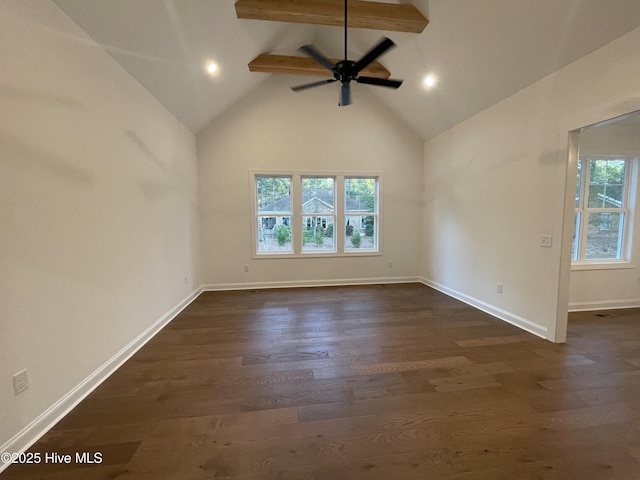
{"points": [[481, 51]]}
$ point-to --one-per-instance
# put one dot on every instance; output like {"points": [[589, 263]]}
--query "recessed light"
{"points": [[212, 68], [430, 81]]}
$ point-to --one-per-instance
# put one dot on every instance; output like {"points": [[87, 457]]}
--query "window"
{"points": [[602, 214], [298, 214], [318, 214], [273, 214], [360, 213]]}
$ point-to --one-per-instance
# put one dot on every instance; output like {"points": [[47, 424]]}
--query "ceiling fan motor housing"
{"points": [[345, 71]]}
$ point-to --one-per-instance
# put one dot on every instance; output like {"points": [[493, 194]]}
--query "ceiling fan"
{"points": [[347, 70]]}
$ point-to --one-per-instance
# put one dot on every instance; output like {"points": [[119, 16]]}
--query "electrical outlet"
{"points": [[186, 280], [390, 264], [499, 287], [246, 268], [20, 382]]}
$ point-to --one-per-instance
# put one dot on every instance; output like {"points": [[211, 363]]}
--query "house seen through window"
{"points": [[273, 198], [309, 224]]}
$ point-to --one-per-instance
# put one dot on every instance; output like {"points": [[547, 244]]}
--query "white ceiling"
{"points": [[481, 50]]}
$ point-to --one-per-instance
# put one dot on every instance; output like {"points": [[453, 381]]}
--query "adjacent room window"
{"points": [[602, 216], [302, 215]]}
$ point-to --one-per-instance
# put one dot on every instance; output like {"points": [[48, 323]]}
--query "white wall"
{"points": [[613, 287], [495, 183], [98, 220], [276, 129]]}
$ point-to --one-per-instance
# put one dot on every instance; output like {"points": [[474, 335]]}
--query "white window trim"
{"points": [[629, 194], [601, 266], [296, 214]]}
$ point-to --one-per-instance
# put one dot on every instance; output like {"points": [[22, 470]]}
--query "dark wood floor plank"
{"points": [[364, 382], [416, 465]]}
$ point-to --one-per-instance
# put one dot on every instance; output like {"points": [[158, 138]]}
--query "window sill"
{"points": [[268, 256], [621, 265]]}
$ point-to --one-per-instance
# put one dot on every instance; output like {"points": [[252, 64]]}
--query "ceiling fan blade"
{"points": [[381, 82], [345, 94], [305, 86], [318, 57], [383, 45]]}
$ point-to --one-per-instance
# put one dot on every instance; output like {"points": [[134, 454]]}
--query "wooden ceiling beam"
{"points": [[306, 66], [361, 14]]}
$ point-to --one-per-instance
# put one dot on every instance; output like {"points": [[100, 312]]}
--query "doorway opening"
{"points": [[601, 231]]}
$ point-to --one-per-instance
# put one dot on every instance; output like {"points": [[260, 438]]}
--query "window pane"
{"points": [[274, 194], [596, 195], [360, 194], [318, 234], [576, 236], [606, 184], [274, 234], [318, 195], [615, 171], [615, 183], [604, 236], [613, 196], [360, 233]]}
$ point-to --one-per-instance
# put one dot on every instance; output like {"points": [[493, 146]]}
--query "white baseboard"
{"points": [[308, 283], [21, 441], [509, 317], [604, 305]]}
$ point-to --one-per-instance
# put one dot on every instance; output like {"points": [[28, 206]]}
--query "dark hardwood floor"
{"points": [[395, 382]]}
